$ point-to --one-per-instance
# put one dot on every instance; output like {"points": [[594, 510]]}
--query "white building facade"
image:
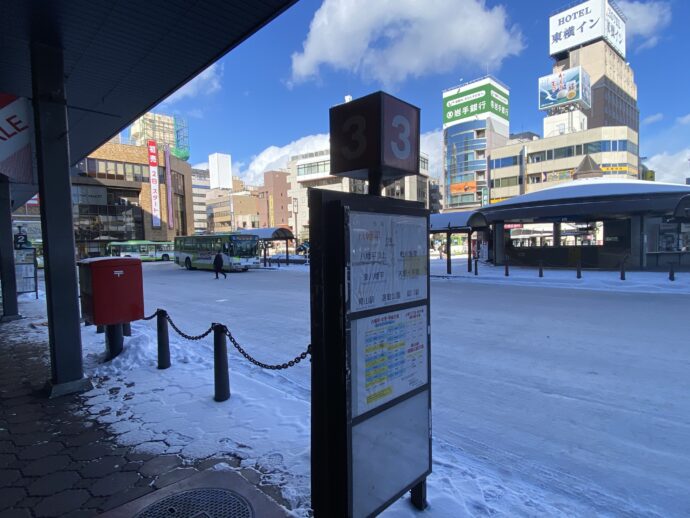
{"points": [[220, 170]]}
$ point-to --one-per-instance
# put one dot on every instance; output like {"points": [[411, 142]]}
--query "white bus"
{"points": [[144, 250], [240, 251]]}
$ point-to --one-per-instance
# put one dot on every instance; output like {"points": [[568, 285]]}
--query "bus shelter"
{"points": [[269, 235], [465, 222]]}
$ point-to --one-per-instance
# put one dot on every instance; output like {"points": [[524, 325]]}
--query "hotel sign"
{"points": [[586, 22]]}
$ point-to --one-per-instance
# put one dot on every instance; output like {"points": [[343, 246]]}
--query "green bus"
{"points": [[144, 250], [240, 251]]}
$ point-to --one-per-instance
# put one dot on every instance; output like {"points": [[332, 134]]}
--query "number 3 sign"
{"points": [[375, 132]]}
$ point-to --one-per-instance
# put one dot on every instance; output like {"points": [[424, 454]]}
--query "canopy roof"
{"points": [[122, 58], [589, 199], [269, 234], [457, 221]]}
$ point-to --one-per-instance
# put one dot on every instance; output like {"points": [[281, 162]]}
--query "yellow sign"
{"points": [[623, 168]]}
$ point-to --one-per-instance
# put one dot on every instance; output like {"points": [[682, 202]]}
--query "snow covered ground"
{"points": [[546, 402]]}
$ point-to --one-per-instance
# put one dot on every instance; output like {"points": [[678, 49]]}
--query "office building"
{"points": [[114, 199], [201, 185], [220, 170], [475, 119], [228, 211], [275, 206]]}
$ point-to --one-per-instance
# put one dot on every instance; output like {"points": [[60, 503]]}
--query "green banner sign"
{"points": [[475, 101]]}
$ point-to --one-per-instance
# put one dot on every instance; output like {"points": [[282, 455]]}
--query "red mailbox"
{"points": [[112, 290]]}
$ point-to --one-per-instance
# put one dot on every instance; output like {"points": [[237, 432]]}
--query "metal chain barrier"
{"points": [[237, 346], [256, 362], [185, 335]]}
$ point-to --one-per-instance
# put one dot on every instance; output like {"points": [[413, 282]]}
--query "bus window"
{"points": [[226, 248]]}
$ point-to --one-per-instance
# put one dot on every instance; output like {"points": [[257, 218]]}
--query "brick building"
{"points": [[275, 207]]}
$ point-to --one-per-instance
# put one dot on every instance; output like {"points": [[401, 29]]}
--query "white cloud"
{"points": [[685, 119], [432, 144], [388, 41], [275, 158], [206, 83], [201, 165], [671, 167], [645, 20], [653, 118]]}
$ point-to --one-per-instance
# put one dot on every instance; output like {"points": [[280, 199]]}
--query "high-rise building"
{"points": [[170, 130], [220, 169], [591, 35], [475, 120]]}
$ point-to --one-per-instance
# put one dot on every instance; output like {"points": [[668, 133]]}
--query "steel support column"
{"points": [[556, 234], [10, 309], [499, 243], [448, 258], [469, 251], [53, 164]]}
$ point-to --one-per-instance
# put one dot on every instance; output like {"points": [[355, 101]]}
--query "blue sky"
{"points": [[269, 98]]}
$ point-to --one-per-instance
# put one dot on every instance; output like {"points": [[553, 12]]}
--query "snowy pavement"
{"points": [[546, 402]]}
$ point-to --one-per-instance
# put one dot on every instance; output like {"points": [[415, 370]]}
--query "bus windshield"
{"points": [[245, 246]]}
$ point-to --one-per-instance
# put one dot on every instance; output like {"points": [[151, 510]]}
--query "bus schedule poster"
{"points": [[388, 260], [389, 357]]}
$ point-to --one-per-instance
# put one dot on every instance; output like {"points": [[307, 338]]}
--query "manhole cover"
{"points": [[200, 503]]}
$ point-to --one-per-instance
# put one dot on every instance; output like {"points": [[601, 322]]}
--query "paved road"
{"points": [[580, 393]]}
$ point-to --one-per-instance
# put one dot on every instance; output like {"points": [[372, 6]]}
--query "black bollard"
{"points": [[476, 267], [220, 364], [507, 271], [671, 273], [541, 269], [127, 329], [100, 329], [623, 270], [579, 269], [113, 340], [163, 339]]}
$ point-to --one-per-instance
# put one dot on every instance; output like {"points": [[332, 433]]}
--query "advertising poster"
{"points": [[389, 357], [463, 187], [566, 87], [388, 260]]}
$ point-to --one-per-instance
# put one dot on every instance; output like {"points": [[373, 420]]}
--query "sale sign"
{"points": [[15, 138]]}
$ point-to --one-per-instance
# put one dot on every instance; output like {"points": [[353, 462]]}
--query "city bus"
{"points": [[240, 251], [144, 250]]}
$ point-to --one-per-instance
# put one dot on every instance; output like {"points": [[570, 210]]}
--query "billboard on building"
{"points": [[585, 22], [570, 86], [463, 187], [476, 100]]}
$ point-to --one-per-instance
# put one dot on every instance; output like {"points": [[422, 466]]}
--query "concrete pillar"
{"points": [[556, 234], [53, 164], [10, 309], [499, 243], [636, 259]]}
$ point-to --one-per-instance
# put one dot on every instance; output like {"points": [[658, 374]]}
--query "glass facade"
{"points": [[599, 146], [465, 163]]}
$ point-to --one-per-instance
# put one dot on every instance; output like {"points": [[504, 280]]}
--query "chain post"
{"points": [[671, 273], [163, 339], [541, 269], [507, 269], [476, 266], [221, 374], [579, 269]]}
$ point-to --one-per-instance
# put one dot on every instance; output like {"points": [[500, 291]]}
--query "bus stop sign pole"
{"points": [[369, 282]]}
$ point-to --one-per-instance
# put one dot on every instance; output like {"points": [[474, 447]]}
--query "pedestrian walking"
{"points": [[218, 265]]}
